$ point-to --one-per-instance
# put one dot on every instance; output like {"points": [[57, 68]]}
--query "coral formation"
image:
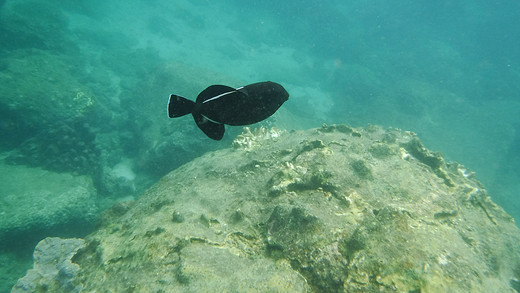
{"points": [[53, 271], [63, 147], [248, 140]]}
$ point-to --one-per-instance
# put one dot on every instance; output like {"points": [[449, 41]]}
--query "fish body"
{"points": [[219, 104]]}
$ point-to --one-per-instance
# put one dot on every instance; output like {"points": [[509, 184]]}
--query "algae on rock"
{"points": [[333, 209]]}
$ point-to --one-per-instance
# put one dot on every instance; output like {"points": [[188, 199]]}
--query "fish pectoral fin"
{"points": [[211, 129]]}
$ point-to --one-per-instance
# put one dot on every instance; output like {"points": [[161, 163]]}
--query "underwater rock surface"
{"points": [[334, 209], [36, 203]]}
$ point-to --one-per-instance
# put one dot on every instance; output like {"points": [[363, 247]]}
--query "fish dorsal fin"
{"points": [[214, 91], [211, 129]]}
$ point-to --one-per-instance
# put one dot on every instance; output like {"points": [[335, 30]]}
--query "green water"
{"points": [[84, 87]]}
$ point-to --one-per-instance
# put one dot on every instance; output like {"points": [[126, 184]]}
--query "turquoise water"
{"points": [[84, 87]]}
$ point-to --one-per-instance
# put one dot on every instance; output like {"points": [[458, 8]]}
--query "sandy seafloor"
{"points": [[84, 85]]}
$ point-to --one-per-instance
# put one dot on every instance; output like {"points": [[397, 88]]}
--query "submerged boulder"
{"points": [[334, 209], [35, 203]]}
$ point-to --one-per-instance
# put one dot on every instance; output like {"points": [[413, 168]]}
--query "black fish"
{"points": [[219, 104]]}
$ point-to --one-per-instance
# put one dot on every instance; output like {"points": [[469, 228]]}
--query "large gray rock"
{"points": [[334, 209], [35, 202]]}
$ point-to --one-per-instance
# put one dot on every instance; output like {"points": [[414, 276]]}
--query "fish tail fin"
{"points": [[179, 106], [211, 129]]}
